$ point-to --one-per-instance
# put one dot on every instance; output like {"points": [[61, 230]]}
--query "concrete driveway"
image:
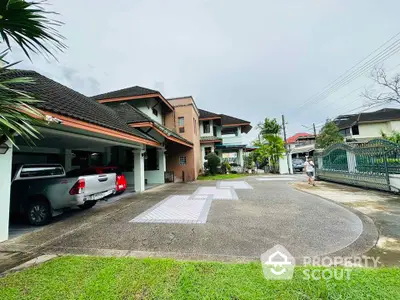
{"points": [[271, 213]]}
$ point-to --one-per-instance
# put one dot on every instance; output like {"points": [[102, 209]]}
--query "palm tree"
{"points": [[28, 25]]}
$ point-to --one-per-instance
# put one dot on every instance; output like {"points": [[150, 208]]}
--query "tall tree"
{"points": [[329, 135], [271, 148], [388, 88], [28, 25], [269, 127]]}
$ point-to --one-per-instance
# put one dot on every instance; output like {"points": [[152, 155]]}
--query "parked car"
{"points": [[39, 191], [298, 164], [120, 182]]}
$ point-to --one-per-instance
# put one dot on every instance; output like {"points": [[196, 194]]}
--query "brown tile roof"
{"points": [[62, 100]]}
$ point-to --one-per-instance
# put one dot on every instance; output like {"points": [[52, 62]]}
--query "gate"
{"points": [[375, 164]]}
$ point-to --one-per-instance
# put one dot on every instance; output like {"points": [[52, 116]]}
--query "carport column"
{"points": [[67, 160], [162, 162], [138, 162], [5, 176]]}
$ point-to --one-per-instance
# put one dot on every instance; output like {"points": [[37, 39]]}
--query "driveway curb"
{"points": [[367, 239]]}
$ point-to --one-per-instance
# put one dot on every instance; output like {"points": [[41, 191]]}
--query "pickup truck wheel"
{"points": [[39, 212], [88, 204]]}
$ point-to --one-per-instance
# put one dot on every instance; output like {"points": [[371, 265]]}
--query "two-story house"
{"points": [[365, 126], [223, 135]]}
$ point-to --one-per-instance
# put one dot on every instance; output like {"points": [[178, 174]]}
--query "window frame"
{"points": [[206, 124], [182, 160]]}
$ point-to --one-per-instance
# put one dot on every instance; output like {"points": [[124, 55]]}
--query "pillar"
{"points": [[67, 160], [240, 157], [162, 162], [138, 162], [5, 176], [351, 161]]}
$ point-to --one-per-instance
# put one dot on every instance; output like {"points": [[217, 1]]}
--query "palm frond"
{"points": [[29, 25], [18, 116]]}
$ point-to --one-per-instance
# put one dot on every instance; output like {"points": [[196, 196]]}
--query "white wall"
{"points": [[5, 180], [368, 130], [147, 108]]}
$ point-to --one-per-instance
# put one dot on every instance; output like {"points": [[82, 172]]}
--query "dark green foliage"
{"points": [[212, 164], [329, 135]]}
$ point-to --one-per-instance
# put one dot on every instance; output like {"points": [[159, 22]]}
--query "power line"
{"points": [[354, 75], [344, 79], [363, 86]]}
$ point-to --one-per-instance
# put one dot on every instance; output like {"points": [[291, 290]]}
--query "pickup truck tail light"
{"points": [[78, 187], [120, 183]]}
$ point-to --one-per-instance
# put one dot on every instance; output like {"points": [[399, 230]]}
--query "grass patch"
{"points": [[74, 277], [222, 176]]}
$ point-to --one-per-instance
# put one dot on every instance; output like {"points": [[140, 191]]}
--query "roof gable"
{"points": [[126, 92]]}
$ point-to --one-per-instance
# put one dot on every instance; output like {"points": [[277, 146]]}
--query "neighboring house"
{"points": [[185, 121], [301, 145], [363, 127], [223, 135]]}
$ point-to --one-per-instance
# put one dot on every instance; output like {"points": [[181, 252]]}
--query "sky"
{"points": [[249, 59]]}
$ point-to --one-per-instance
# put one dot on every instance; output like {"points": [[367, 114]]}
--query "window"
{"points": [[355, 130], [194, 126], [206, 126], [181, 124], [207, 150], [182, 160], [155, 112]]}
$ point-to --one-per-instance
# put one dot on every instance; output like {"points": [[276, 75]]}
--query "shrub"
{"points": [[212, 163], [225, 167]]}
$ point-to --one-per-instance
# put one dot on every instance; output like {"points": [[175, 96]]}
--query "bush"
{"points": [[225, 167], [212, 163]]}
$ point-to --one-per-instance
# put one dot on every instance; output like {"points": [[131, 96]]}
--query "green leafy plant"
{"points": [[29, 25], [225, 167], [17, 115], [394, 136], [212, 163], [26, 23]]}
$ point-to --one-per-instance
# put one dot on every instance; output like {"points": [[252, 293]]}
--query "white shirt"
{"points": [[309, 165]]}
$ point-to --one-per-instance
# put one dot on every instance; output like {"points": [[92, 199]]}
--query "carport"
{"points": [[77, 125]]}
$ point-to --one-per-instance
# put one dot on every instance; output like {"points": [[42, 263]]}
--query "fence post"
{"points": [[351, 161], [386, 170]]}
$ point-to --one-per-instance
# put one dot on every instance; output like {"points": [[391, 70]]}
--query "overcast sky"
{"points": [[249, 59]]}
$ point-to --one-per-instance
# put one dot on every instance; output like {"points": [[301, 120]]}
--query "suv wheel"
{"points": [[88, 204], [39, 212]]}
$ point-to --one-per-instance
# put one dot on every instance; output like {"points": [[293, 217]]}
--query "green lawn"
{"points": [[129, 278], [222, 176]]}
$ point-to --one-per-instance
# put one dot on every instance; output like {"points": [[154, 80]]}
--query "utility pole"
{"points": [[286, 145], [315, 131]]}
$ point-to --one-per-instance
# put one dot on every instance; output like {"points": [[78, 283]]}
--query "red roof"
{"points": [[294, 138]]}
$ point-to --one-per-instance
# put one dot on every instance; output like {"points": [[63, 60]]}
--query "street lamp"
{"points": [[4, 148]]}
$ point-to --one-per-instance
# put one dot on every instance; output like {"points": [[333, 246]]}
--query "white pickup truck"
{"points": [[39, 191]]}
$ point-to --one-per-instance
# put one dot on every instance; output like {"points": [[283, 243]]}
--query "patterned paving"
{"points": [[237, 185], [177, 209], [217, 194]]}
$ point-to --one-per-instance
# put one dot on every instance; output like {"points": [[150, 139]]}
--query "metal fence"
{"points": [[375, 164]]}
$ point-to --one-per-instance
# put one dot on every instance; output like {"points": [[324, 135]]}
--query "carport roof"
{"points": [[62, 100]]}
